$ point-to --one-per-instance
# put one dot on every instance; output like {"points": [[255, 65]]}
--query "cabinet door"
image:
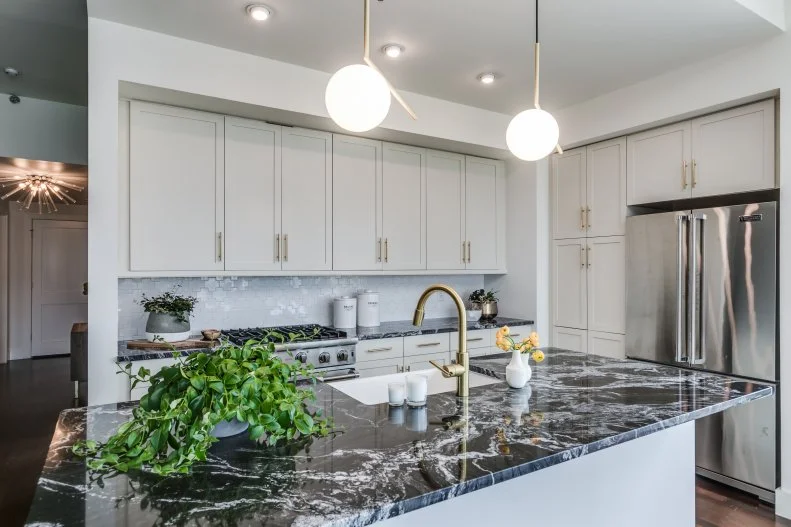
{"points": [[481, 210], [176, 196], [658, 162], [379, 367], [356, 204], [569, 289], [568, 194], [570, 339], [252, 195], [445, 211], [606, 263], [403, 207], [733, 151], [306, 233], [606, 188], [607, 344], [421, 362]]}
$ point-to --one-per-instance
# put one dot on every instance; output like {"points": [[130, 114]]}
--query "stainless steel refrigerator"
{"points": [[701, 289]]}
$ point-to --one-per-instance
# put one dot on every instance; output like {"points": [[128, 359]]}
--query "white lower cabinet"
{"points": [[427, 344], [479, 342], [375, 368], [570, 339], [607, 344], [421, 362]]}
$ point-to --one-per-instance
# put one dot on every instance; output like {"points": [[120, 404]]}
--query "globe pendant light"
{"points": [[358, 96], [533, 134]]}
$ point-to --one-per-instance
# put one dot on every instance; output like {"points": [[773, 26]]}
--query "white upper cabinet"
{"points": [[356, 204], [403, 207], [569, 194], [569, 284], [484, 202], [658, 164], [606, 262], [733, 151], [445, 241], [306, 233], [176, 201], [605, 213], [252, 195]]}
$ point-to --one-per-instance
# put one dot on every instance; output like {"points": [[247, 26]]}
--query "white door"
{"points": [[481, 209], [570, 339], [60, 277], [356, 204], [658, 164], [176, 187], [403, 207], [569, 289], [606, 262], [568, 194], [421, 362], [734, 151], [610, 345], [252, 195], [445, 211], [306, 234], [606, 188]]}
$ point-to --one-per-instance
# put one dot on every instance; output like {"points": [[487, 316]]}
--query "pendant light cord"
{"points": [[536, 21], [535, 75]]}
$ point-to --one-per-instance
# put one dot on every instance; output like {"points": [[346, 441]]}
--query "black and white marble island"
{"points": [[591, 441]]}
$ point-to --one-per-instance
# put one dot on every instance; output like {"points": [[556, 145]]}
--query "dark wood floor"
{"points": [[33, 392]]}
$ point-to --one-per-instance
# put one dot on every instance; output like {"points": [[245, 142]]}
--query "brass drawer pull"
{"points": [[375, 350], [476, 339], [582, 218], [429, 344], [588, 217], [694, 173], [285, 247], [684, 175], [277, 247]]}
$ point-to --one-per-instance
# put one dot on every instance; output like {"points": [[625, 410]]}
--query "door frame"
{"points": [[3, 289]]}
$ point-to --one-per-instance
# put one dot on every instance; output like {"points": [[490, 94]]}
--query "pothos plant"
{"points": [[479, 296], [171, 428], [170, 303]]}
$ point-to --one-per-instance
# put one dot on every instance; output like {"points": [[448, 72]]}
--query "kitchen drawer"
{"points": [[480, 352], [421, 362], [374, 368], [478, 338], [380, 349], [518, 332], [153, 365], [426, 344]]}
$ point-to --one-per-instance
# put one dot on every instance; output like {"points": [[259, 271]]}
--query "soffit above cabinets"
{"points": [[589, 48]]}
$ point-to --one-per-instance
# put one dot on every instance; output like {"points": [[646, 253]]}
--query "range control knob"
{"points": [[324, 358], [301, 357], [343, 356]]}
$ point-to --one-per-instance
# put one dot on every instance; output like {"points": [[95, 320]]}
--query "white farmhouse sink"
{"points": [[373, 390]]}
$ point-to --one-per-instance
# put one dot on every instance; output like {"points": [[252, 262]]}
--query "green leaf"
{"points": [[198, 382], [304, 424], [256, 432], [196, 404]]}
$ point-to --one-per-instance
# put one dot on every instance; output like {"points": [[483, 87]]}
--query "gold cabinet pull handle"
{"points": [[582, 257], [683, 175], [277, 247], [469, 252], [694, 173], [429, 344], [379, 250], [588, 257], [588, 217], [375, 350], [582, 218], [463, 252], [219, 247], [387, 251], [285, 247], [478, 339]]}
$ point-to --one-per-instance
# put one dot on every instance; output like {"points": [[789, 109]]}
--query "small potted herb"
{"points": [[168, 316], [485, 301]]}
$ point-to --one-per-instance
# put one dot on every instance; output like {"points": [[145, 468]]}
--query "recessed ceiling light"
{"points": [[487, 78], [259, 12], [393, 50], [11, 72]]}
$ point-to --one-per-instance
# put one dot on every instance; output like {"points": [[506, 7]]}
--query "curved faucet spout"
{"points": [[460, 370]]}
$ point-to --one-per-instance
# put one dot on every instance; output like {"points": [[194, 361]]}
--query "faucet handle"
{"points": [[449, 370]]}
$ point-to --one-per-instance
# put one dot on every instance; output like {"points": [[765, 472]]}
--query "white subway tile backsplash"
{"points": [[231, 302]]}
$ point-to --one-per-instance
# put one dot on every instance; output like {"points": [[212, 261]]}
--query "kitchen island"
{"points": [[595, 438]]}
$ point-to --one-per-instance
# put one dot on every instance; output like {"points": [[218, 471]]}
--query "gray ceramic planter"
{"points": [[229, 428], [161, 326]]}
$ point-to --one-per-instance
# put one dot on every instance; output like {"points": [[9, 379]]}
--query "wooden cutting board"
{"points": [[184, 344]]}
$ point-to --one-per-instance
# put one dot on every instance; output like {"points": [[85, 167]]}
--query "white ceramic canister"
{"points": [[344, 311], [368, 309]]}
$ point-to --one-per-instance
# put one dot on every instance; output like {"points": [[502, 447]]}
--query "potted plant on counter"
{"points": [[205, 396], [168, 316], [485, 301]]}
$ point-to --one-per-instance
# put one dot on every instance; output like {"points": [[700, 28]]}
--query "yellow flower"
{"points": [[533, 338], [538, 356], [503, 332], [503, 343]]}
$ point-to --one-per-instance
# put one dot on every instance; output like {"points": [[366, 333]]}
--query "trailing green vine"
{"points": [[171, 428]]}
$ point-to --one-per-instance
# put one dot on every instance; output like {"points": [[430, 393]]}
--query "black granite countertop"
{"points": [[375, 467], [401, 328]]}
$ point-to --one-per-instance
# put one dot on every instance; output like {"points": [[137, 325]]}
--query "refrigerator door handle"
{"points": [[681, 219], [698, 353]]}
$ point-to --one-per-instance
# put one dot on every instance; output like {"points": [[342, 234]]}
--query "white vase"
{"points": [[517, 373]]}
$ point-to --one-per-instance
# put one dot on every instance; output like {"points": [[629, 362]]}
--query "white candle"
{"points": [[416, 390], [395, 392]]}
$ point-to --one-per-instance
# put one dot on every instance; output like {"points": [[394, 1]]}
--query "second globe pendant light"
{"points": [[358, 96], [533, 134]]}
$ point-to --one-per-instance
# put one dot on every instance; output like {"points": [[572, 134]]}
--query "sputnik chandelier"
{"points": [[38, 188]]}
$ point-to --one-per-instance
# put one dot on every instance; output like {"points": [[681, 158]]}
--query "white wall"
{"points": [[20, 245], [43, 130], [737, 76], [119, 53]]}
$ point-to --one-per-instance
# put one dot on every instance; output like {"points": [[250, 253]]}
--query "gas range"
{"points": [[330, 351]]}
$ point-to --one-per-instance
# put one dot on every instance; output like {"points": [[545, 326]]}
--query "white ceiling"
{"points": [[589, 47], [47, 41]]}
